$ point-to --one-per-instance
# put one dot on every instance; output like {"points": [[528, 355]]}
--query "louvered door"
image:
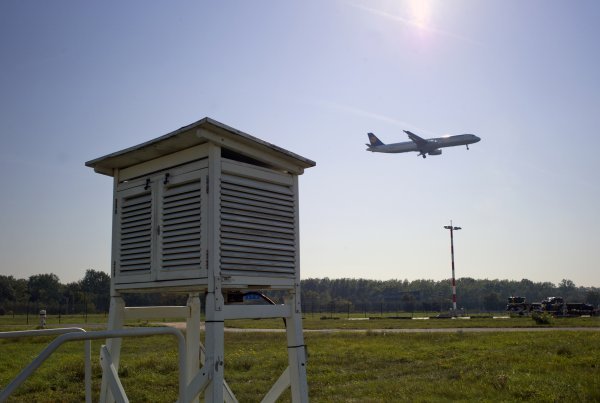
{"points": [[181, 231], [258, 236], [159, 231], [134, 236]]}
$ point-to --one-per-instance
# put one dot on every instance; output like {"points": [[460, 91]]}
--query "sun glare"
{"points": [[416, 14], [420, 12]]}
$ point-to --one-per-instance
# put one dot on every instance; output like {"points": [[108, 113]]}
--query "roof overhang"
{"points": [[200, 132]]}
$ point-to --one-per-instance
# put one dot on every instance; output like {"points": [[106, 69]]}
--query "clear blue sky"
{"points": [[79, 80]]}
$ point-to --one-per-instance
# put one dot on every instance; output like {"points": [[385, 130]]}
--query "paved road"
{"points": [[181, 325]]}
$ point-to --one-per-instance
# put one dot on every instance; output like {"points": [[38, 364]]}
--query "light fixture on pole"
{"points": [[452, 229]]}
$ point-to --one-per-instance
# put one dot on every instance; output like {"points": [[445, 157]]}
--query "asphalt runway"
{"points": [[181, 325]]}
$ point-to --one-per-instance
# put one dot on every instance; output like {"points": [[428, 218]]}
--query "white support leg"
{"points": [[214, 323], [110, 373], [228, 395], [192, 338], [88, 370], [278, 387], [199, 383], [215, 346], [116, 318], [296, 350]]}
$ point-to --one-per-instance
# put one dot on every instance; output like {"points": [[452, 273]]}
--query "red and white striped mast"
{"points": [[452, 229]]}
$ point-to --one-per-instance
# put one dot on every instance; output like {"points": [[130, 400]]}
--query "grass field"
{"points": [[371, 366], [316, 322]]}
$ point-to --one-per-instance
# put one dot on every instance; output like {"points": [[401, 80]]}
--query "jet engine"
{"points": [[435, 152]]}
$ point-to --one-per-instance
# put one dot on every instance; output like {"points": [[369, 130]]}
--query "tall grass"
{"points": [[343, 367], [316, 323]]}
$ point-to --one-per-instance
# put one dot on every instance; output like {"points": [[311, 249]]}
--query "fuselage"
{"points": [[432, 144]]}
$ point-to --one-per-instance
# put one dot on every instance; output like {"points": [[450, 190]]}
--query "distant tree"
{"points": [[95, 282], [7, 290], [593, 297], [20, 287], [311, 297], [7, 293], [96, 285], [568, 290], [341, 305], [566, 284], [408, 303], [44, 288], [492, 302], [72, 296]]}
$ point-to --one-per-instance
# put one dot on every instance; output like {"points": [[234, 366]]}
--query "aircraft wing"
{"points": [[419, 141]]}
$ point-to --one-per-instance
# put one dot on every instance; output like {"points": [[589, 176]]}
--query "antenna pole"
{"points": [[452, 228], [453, 276]]}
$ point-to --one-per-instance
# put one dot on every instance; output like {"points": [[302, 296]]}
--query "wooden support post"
{"points": [[110, 373], [278, 387], [296, 349], [192, 337], [215, 317], [215, 349], [116, 318]]}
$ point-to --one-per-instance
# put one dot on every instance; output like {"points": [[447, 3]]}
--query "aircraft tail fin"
{"points": [[374, 140]]}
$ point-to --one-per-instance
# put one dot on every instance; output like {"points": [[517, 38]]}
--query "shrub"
{"points": [[500, 382], [543, 318], [565, 350]]}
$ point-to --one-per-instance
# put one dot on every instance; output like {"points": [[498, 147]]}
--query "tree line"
{"points": [[92, 294], [45, 291], [430, 295]]}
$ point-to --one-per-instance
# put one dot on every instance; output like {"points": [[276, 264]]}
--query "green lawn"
{"points": [[316, 322], [359, 367], [53, 320]]}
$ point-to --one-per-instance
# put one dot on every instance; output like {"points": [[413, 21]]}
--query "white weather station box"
{"points": [[205, 200], [206, 209]]}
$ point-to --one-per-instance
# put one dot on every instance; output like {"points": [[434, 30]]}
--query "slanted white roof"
{"points": [[202, 131]]}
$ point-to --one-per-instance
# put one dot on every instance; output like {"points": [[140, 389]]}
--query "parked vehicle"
{"points": [[517, 305], [553, 305]]}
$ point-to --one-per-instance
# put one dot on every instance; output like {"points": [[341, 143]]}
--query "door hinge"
{"points": [[116, 206], [206, 183], [166, 178]]}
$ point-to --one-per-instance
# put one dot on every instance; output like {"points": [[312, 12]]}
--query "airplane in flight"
{"points": [[423, 146]]}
